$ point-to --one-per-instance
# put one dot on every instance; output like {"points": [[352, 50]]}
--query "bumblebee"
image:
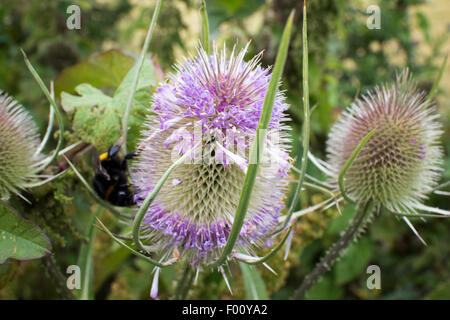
{"points": [[111, 179]]}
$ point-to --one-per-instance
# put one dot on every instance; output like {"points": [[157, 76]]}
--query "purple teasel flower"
{"points": [[211, 107]]}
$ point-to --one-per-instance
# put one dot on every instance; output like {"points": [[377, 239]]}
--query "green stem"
{"points": [[438, 79], [306, 124], [86, 260], [361, 220], [205, 28], [138, 71], [55, 108]]}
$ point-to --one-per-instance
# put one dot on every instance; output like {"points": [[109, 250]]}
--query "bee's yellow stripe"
{"points": [[103, 156]]}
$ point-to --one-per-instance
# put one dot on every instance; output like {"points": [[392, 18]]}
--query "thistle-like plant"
{"points": [[211, 168], [19, 148], [400, 163], [383, 154], [21, 157], [214, 101], [227, 202]]}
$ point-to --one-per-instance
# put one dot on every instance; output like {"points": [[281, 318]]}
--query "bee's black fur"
{"points": [[111, 180]]}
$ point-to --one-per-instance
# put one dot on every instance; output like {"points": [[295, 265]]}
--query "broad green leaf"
{"points": [[354, 261], [88, 96], [146, 79], [20, 239], [255, 288], [104, 69], [97, 116]]}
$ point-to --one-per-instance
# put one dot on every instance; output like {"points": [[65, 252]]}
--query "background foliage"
{"points": [[346, 58]]}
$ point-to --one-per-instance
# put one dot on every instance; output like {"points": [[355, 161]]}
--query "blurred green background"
{"points": [[346, 59]]}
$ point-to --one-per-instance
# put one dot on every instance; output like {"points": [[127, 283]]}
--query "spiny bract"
{"points": [[19, 142], [215, 102], [399, 164]]}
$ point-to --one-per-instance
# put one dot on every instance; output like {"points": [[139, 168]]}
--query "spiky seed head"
{"points": [[399, 164], [215, 101], [19, 141]]}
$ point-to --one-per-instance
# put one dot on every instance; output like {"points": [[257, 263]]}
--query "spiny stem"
{"points": [[55, 276], [360, 220]]}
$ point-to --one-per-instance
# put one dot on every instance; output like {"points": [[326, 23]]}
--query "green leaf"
{"points": [[97, 116], [324, 289], [20, 239], [146, 79], [255, 288], [341, 222], [354, 261], [88, 96], [104, 69]]}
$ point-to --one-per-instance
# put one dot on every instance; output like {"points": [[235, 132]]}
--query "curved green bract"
{"points": [[350, 161], [258, 145], [55, 108]]}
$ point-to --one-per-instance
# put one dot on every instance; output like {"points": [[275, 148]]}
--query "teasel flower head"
{"points": [[19, 144], [400, 163], [210, 106]]}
